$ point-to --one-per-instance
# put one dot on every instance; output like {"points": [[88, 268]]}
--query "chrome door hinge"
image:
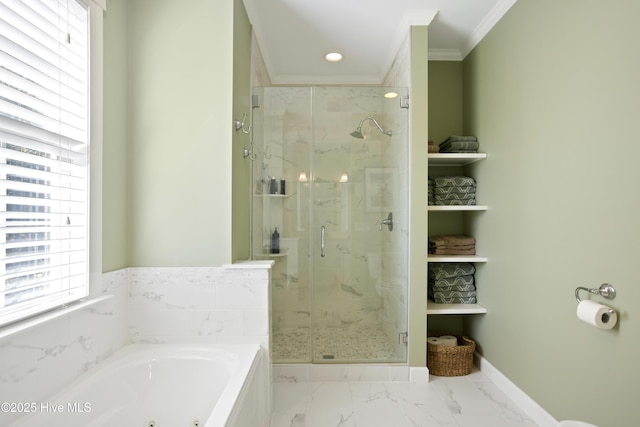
{"points": [[404, 101], [403, 338]]}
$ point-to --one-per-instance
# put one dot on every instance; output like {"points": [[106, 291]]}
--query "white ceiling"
{"points": [[294, 35]]}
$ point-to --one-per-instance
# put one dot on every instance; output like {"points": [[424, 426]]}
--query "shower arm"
{"points": [[386, 132]]}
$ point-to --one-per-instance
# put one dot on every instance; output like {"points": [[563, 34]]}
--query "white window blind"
{"points": [[44, 94]]}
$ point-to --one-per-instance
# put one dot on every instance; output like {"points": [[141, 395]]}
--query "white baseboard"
{"points": [[537, 413], [419, 374]]}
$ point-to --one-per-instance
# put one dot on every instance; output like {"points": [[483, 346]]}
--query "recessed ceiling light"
{"points": [[333, 57], [390, 95]]}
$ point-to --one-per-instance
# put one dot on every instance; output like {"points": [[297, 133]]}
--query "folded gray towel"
{"points": [[460, 283], [457, 181], [461, 151], [470, 202], [468, 145], [453, 138], [451, 189], [461, 288], [442, 270], [455, 300], [454, 196], [457, 146], [453, 294]]}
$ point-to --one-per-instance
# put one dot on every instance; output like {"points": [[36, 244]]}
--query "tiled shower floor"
{"points": [[332, 344]]}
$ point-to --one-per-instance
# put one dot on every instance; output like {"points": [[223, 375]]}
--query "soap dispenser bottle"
{"points": [[273, 186], [275, 242]]}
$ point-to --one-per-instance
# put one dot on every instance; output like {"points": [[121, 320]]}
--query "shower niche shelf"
{"points": [[456, 162], [269, 255]]}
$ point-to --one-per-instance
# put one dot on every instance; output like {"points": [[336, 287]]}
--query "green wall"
{"points": [[552, 94], [114, 185], [167, 133], [241, 166], [445, 99], [419, 95], [180, 132]]}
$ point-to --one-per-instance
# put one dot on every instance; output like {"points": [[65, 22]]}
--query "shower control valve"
{"points": [[388, 221]]}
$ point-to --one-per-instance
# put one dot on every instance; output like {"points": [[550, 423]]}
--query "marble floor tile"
{"points": [[469, 401]]}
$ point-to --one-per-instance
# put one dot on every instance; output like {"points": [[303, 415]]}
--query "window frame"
{"points": [[95, 11]]}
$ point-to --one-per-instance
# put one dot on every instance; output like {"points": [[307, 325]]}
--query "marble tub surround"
{"points": [[228, 304], [42, 359], [200, 304], [469, 401]]}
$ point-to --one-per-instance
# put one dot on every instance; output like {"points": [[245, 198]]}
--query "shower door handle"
{"points": [[322, 241]]}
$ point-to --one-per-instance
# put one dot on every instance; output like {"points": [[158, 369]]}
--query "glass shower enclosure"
{"points": [[330, 173]]}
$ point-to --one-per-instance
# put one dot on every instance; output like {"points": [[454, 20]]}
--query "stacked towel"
{"points": [[455, 244], [453, 190], [433, 147], [452, 283], [460, 144], [430, 184]]}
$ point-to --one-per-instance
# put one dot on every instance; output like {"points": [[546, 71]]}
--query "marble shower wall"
{"points": [[343, 183]]}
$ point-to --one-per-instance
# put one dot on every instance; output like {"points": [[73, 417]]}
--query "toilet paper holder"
{"points": [[605, 290]]}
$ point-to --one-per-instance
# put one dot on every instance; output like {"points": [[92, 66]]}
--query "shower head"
{"points": [[358, 132]]}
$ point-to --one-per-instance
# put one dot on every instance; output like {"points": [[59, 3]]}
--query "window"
{"points": [[44, 155]]}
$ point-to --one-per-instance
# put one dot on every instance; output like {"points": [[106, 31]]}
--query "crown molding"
{"points": [[492, 18], [410, 19]]}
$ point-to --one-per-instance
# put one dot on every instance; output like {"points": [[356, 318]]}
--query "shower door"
{"points": [[359, 265], [340, 286]]}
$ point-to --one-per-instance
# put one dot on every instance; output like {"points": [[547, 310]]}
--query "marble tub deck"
{"points": [[469, 401]]}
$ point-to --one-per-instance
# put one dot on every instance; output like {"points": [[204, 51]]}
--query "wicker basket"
{"points": [[446, 361]]}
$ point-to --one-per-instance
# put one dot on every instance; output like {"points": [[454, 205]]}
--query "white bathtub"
{"points": [[164, 385]]}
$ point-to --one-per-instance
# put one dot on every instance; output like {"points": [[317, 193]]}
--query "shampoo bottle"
{"points": [[275, 242]]}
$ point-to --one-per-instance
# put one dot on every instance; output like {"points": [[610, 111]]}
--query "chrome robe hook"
{"points": [[239, 125]]}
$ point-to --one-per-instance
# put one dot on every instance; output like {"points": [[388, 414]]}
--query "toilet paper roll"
{"points": [[596, 314], [449, 340], [445, 340]]}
